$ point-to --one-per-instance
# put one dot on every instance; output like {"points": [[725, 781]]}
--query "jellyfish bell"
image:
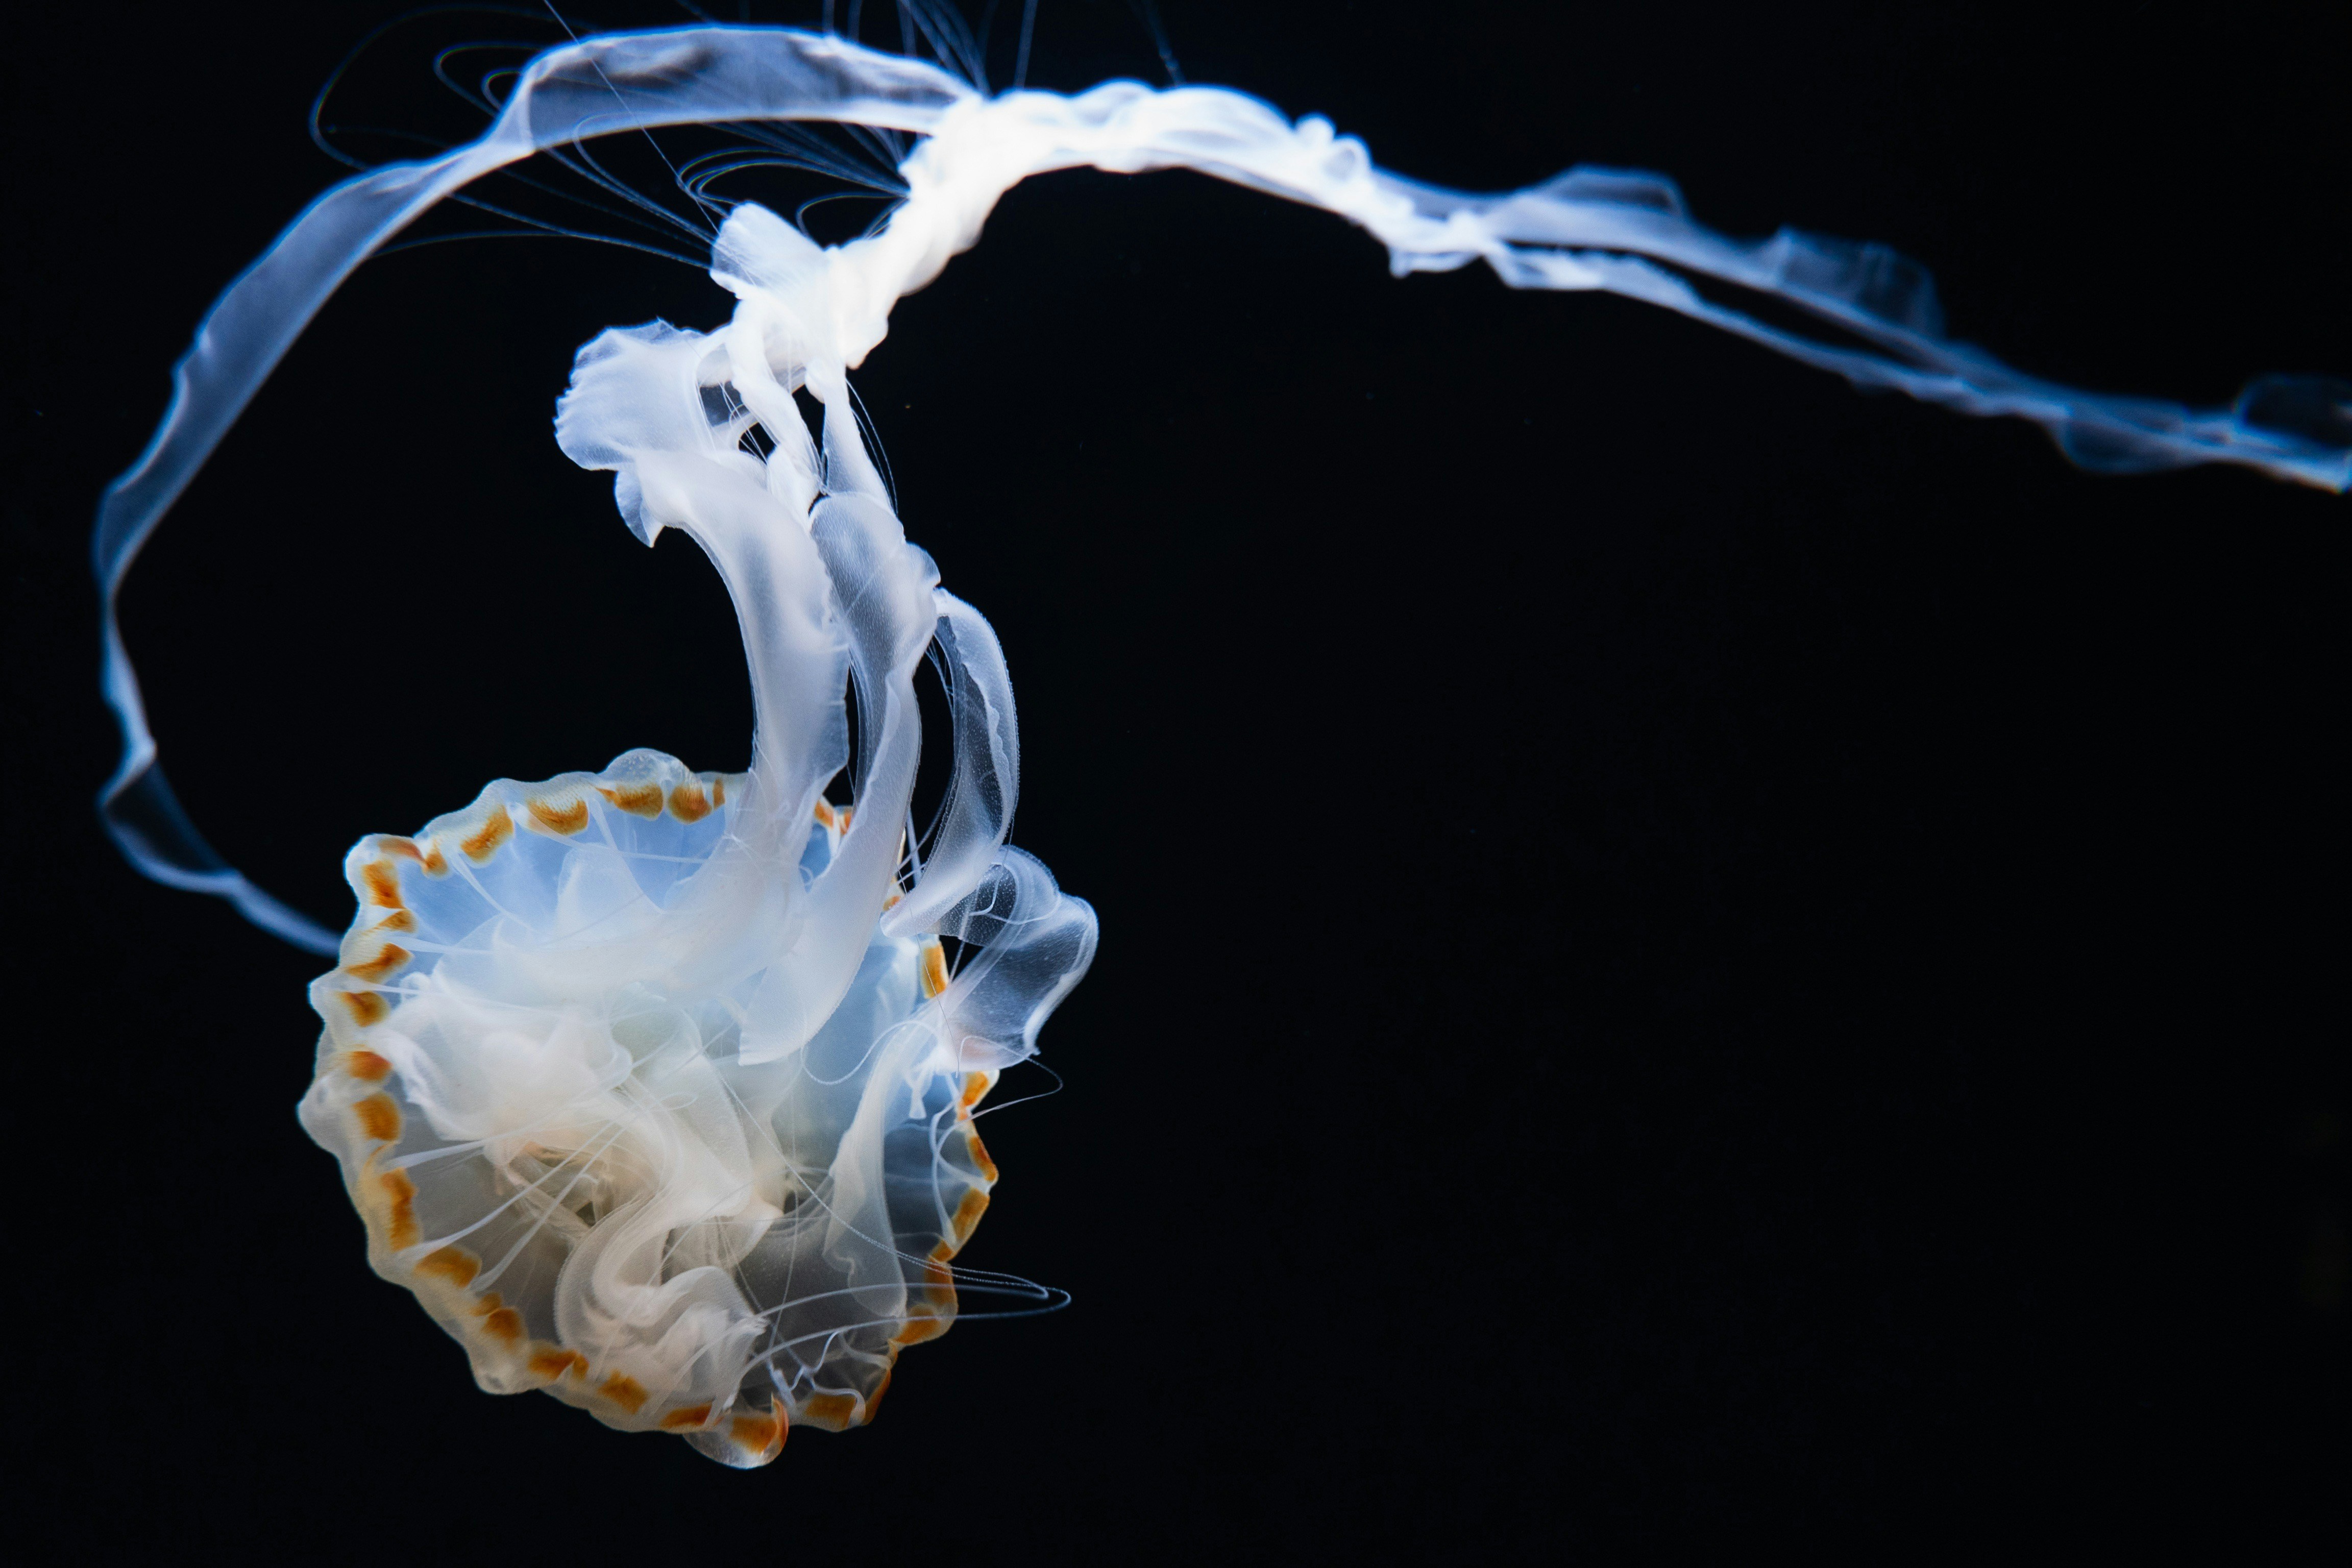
{"points": [[657, 1086], [627, 1150]]}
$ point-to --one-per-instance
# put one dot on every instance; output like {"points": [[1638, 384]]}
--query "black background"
{"points": [[1685, 950]]}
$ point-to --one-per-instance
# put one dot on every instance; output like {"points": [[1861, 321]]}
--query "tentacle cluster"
{"points": [[654, 1085]]}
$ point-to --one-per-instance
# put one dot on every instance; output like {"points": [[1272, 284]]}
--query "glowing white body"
{"points": [[539, 1072]]}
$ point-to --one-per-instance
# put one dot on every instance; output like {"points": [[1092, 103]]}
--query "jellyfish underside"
{"points": [[542, 1073], [657, 1086]]}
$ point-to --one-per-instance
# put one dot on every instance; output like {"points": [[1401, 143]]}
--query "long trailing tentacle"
{"points": [[1590, 229]]}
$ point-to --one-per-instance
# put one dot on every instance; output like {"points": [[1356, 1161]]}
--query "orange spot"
{"points": [[762, 1434], [564, 820], [497, 1318], [968, 1213], [688, 803], [383, 879], [979, 1156], [892, 901], [402, 1194], [638, 800], [976, 1086], [687, 1419], [481, 846], [367, 1065], [378, 1118], [874, 1400], [918, 1327], [550, 1361], [844, 815], [824, 812], [719, 791], [939, 1279], [625, 1392], [934, 969], [365, 1005], [399, 919], [454, 1264], [429, 856], [391, 957], [831, 1411]]}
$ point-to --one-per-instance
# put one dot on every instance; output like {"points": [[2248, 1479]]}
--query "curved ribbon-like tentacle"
{"points": [[1611, 231]]}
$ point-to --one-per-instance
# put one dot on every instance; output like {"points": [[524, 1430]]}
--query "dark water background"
{"points": [[1686, 952]]}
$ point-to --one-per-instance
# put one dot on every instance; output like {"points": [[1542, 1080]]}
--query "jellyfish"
{"points": [[657, 1086]]}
